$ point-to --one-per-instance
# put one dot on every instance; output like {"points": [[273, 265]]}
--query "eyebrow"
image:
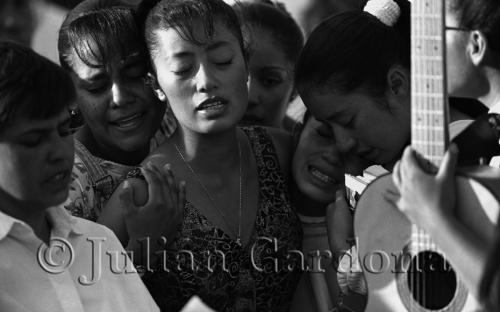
{"points": [[132, 58], [218, 44], [210, 47], [95, 77], [274, 67], [280, 69], [66, 121], [337, 115], [129, 60], [321, 121], [182, 54]]}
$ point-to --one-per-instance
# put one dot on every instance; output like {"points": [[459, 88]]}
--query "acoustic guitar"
{"points": [[404, 270]]}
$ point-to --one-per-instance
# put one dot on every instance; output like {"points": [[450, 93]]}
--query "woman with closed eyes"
{"points": [[238, 218]]}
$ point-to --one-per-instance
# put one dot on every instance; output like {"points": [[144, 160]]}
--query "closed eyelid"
{"points": [[325, 123]]}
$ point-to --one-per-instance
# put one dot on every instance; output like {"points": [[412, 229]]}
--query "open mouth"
{"points": [[129, 121], [60, 178], [212, 105], [321, 175]]}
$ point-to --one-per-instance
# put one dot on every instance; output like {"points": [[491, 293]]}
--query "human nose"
{"points": [[120, 94], [253, 94], [205, 79], [61, 149], [344, 141], [331, 155]]}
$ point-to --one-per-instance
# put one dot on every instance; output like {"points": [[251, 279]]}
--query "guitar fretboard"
{"points": [[429, 101]]}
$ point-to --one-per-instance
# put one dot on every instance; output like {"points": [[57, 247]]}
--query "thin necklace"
{"points": [[207, 193]]}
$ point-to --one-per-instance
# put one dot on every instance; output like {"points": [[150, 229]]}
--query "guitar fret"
{"points": [[429, 37], [422, 112], [436, 149], [424, 58], [428, 95], [424, 143], [419, 135], [429, 67], [428, 127], [427, 76], [426, 15]]}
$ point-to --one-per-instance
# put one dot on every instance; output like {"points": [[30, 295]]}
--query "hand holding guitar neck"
{"points": [[426, 199]]}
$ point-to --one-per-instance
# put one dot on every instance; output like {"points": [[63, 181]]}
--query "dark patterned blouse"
{"points": [[205, 261]]}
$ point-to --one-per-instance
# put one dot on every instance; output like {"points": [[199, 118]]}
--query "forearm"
{"points": [[464, 249]]}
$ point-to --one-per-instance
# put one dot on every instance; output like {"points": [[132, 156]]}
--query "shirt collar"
{"points": [[61, 221], [6, 224]]}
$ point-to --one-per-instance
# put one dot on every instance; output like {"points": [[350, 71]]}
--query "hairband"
{"points": [[386, 11]]}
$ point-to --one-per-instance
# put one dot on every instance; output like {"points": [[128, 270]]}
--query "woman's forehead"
{"points": [[90, 53], [24, 124], [201, 33], [175, 43]]}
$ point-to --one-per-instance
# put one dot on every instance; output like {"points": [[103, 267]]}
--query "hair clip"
{"points": [[386, 11]]}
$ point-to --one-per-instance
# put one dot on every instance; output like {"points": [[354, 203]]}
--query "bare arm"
{"points": [[465, 251], [429, 201], [152, 209]]}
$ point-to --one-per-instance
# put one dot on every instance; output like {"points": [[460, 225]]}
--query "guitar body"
{"points": [[384, 236]]}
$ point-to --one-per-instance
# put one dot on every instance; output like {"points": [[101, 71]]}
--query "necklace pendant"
{"points": [[238, 241]]}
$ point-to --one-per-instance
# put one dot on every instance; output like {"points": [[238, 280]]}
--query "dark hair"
{"points": [[483, 15], [97, 29], [31, 85], [275, 19], [181, 15], [299, 126], [354, 50]]}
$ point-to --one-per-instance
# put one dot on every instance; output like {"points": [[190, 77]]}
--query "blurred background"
{"points": [[41, 19]]}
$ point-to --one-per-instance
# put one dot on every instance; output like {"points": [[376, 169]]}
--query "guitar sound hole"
{"points": [[431, 280]]}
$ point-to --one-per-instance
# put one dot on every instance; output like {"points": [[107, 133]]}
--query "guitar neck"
{"points": [[429, 103]]}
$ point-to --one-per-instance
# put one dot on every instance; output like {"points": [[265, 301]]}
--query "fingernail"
{"points": [[167, 167]]}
